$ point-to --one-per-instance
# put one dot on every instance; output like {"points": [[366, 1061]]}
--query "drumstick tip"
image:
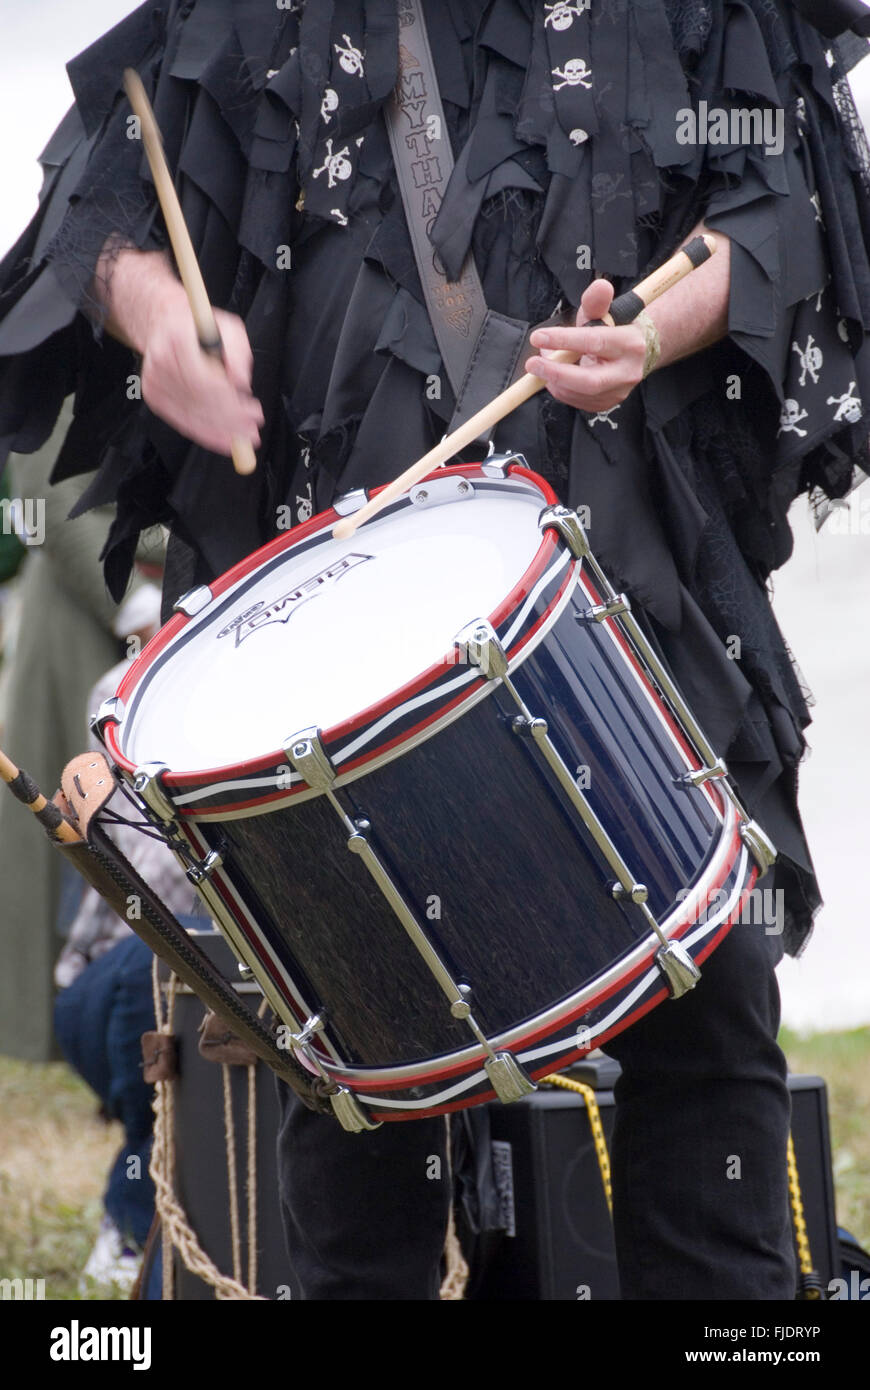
{"points": [[344, 529], [244, 458]]}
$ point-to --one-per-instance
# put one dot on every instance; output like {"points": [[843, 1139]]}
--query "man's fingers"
{"points": [[606, 343], [194, 394], [586, 385]]}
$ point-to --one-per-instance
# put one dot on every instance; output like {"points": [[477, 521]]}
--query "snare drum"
{"points": [[438, 792]]}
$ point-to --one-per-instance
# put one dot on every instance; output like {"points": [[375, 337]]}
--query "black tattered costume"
{"points": [[569, 164]]}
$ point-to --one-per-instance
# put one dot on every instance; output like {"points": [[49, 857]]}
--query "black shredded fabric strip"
{"points": [[581, 149]]}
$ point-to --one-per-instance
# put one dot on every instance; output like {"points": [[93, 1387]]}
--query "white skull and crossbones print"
{"points": [[335, 166], [561, 15], [811, 360], [788, 420], [329, 104], [575, 73], [604, 417], [350, 58], [848, 405]]}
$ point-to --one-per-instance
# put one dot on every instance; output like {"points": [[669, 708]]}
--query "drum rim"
{"points": [[476, 688]]}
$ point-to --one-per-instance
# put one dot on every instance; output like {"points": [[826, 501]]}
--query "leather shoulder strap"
{"points": [[424, 163]]}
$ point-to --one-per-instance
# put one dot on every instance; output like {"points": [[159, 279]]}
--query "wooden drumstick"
{"points": [[622, 311], [23, 787], [244, 458]]}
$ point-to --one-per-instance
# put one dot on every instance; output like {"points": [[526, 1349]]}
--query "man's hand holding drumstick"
{"points": [[196, 364], [212, 404], [688, 317], [206, 400]]}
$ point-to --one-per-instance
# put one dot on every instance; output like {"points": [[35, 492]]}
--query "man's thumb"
{"points": [[595, 302]]}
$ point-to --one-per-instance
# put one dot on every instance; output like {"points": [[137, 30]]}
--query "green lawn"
{"points": [[843, 1059]]}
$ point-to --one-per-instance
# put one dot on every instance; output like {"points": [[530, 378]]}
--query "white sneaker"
{"points": [[111, 1264]]}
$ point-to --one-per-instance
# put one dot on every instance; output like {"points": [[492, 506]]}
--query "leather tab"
{"points": [[159, 1057], [87, 783], [218, 1044]]}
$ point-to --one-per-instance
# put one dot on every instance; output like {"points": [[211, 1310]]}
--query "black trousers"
{"points": [[698, 1157]]}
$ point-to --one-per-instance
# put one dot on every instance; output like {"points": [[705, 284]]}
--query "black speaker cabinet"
{"points": [[558, 1243]]}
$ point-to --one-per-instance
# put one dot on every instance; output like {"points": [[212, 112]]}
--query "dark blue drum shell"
{"points": [[489, 853]]}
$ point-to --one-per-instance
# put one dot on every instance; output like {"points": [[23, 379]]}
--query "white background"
{"points": [[822, 596]]}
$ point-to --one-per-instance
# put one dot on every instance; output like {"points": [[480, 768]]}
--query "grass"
{"points": [[55, 1152], [843, 1060]]}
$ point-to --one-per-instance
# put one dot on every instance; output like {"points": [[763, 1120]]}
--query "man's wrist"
{"points": [[652, 340], [131, 287]]}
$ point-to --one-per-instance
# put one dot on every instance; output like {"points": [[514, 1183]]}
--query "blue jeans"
{"points": [[99, 1020]]}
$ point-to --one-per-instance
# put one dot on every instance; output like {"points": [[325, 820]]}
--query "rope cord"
{"points": [[252, 1177], [809, 1285], [455, 1279], [595, 1125], [232, 1180], [176, 1232]]}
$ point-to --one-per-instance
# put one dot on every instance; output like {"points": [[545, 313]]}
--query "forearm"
{"points": [[694, 313], [130, 287]]}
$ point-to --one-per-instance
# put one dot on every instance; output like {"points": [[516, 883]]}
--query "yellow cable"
{"points": [[595, 1125]]}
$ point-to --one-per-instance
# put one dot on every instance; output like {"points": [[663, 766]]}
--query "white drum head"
{"points": [[329, 628]]}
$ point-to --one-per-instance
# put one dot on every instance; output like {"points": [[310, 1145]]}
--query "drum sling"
{"points": [[482, 351]]}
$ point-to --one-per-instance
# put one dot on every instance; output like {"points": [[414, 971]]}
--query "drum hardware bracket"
{"points": [[570, 528], [147, 782], [599, 611], [698, 776], [529, 728], [349, 1113], [638, 893], [204, 868], [496, 465], [110, 711], [760, 846], [506, 1076], [306, 754], [310, 1028], [350, 502], [193, 601], [436, 491], [678, 968], [478, 645]]}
